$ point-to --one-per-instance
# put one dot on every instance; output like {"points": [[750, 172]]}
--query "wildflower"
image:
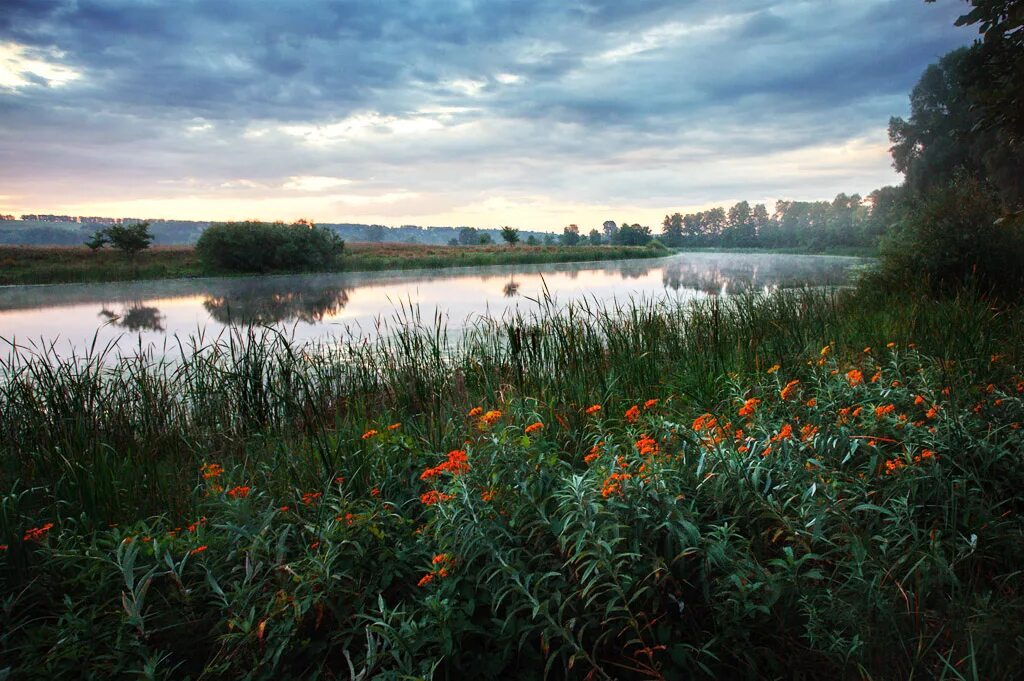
{"points": [[340, 480], [925, 454], [394, 426], [368, 434], [314, 545], [650, 403], [309, 498], [893, 465], [808, 432], [198, 549], [632, 414], [239, 492], [211, 470], [613, 484], [595, 452], [945, 391], [855, 377], [426, 579], [996, 358], [456, 464], [647, 446], [533, 428], [748, 408], [434, 497], [867, 350], [490, 418], [194, 526], [824, 351], [784, 434], [884, 409], [487, 495], [283, 509], [440, 558], [704, 422], [813, 402], [593, 409], [890, 344], [878, 375], [857, 411], [773, 368], [37, 533], [375, 492], [442, 572], [990, 388], [476, 411], [918, 400], [789, 390]]}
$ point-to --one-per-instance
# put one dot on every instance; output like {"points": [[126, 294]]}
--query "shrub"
{"points": [[264, 247], [954, 235]]}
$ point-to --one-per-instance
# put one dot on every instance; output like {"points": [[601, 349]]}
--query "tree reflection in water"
{"points": [[511, 288], [308, 304], [135, 317], [737, 274]]}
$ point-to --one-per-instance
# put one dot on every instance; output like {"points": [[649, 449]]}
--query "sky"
{"points": [[532, 113]]}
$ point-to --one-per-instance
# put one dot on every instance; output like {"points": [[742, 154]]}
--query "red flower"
{"points": [[534, 427], [426, 579], [198, 549], [434, 497], [239, 492], [632, 414], [37, 533]]}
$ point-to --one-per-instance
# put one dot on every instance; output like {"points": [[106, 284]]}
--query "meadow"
{"points": [[76, 264], [807, 484]]}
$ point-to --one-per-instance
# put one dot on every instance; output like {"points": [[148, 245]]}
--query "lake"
{"points": [[351, 304]]}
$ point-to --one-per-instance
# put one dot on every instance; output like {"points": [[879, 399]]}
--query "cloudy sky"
{"points": [[535, 113]]}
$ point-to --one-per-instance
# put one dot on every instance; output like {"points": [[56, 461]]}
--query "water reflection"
{"points": [[318, 305], [269, 304], [135, 317]]}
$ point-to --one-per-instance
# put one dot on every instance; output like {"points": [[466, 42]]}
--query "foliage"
{"points": [[510, 235], [268, 247], [953, 236], [571, 235], [685, 506], [129, 239]]}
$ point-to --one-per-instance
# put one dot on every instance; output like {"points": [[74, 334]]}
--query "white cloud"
{"points": [[314, 183], [20, 67]]}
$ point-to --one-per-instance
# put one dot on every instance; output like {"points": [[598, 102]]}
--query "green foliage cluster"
{"points": [[268, 247], [954, 235], [129, 239], [869, 541]]}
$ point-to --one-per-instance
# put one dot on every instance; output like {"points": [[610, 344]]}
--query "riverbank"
{"points": [[58, 265], [703, 487]]}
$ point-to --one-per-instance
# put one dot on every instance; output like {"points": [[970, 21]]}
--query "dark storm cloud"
{"points": [[527, 80]]}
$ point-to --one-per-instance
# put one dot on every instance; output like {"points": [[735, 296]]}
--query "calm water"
{"points": [[313, 306]]}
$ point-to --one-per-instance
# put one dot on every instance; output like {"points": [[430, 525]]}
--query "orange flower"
{"points": [[487, 495], [650, 403], [368, 434], [647, 446], [198, 549], [878, 375], [705, 422], [476, 411], [534, 427], [375, 492], [340, 480], [309, 498], [857, 411], [918, 400], [789, 390], [394, 426], [748, 408], [490, 418], [855, 377], [893, 465], [593, 409], [884, 410], [773, 368], [434, 497], [595, 452], [933, 412], [613, 484], [890, 345], [426, 579], [784, 434], [813, 402], [456, 464], [283, 509], [314, 545], [37, 533], [825, 350], [440, 558], [239, 492], [632, 414], [211, 470], [808, 432]]}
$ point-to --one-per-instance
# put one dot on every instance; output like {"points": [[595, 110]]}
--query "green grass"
{"points": [[53, 265], [577, 549]]}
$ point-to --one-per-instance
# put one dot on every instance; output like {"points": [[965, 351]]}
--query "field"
{"points": [[56, 264], [801, 485]]}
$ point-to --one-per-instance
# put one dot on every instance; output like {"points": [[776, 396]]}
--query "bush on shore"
{"points": [[268, 247]]}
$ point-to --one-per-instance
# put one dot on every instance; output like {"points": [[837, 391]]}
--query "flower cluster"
{"points": [[457, 463]]}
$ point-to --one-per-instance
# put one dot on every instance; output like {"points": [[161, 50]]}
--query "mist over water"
{"points": [[318, 306]]}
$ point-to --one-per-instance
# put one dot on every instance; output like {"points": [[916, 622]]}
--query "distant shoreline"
{"points": [[29, 265]]}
